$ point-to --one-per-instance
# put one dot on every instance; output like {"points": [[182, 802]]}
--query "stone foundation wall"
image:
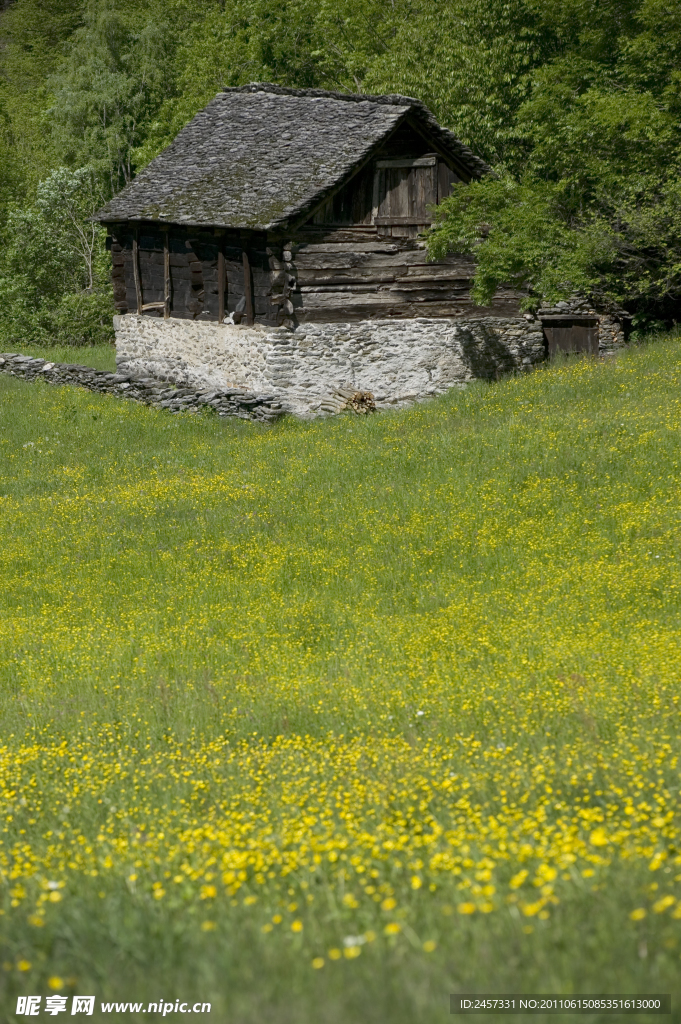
{"points": [[312, 368], [611, 335]]}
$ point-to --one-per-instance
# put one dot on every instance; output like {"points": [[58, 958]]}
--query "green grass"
{"points": [[411, 678], [102, 357]]}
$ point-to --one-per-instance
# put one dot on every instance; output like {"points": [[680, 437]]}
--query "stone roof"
{"points": [[259, 156]]}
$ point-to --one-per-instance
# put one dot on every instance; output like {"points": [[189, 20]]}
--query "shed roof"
{"points": [[260, 155]]}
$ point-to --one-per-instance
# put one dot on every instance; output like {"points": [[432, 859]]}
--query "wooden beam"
{"points": [[376, 201], [166, 268], [221, 285], [248, 288], [153, 305], [422, 161], [136, 269], [413, 221]]}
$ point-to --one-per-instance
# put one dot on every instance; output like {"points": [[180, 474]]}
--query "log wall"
{"points": [[358, 269], [360, 256], [193, 272], [358, 273]]}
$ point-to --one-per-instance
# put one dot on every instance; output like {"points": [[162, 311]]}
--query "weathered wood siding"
{"points": [[358, 274], [361, 255], [193, 272]]}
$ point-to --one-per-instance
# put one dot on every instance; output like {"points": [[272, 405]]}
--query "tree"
{"points": [[520, 235], [32, 33], [108, 89], [589, 195], [54, 267], [469, 61]]}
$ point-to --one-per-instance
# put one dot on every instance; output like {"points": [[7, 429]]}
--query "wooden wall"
{"points": [[193, 261], [361, 255], [347, 274], [325, 274]]}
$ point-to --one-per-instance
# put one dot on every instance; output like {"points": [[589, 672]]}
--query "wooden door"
{"points": [[571, 334], [403, 191], [445, 179]]}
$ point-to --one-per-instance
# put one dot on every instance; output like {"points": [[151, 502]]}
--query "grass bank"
{"points": [[325, 721], [102, 357]]}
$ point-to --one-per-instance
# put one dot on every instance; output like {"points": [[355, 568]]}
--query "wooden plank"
{"points": [[365, 311], [324, 278], [136, 270], [331, 233], [166, 275], [406, 262], [406, 285], [153, 305], [366, 288], [384, 298], [351, 313], [445, 179], [221, 287], [346, 261], [248, 289], [379, 245], [428, 271], [421, 161], [382, 279], [333, 300], [423, 221]]}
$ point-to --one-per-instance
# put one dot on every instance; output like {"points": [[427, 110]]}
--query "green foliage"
{"points": [[576, 106], [32, 36], [79, 78], [112, 81], [468, 60], [519, 235], [54, 267], [595, 158], [10, 167]]}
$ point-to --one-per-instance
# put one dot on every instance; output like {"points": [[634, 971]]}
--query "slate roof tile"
{"points": [[260, 155]]}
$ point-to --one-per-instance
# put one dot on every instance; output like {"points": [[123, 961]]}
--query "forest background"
{"points": [[574, 103]]}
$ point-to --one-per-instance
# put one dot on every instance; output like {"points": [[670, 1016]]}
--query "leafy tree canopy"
{"points": [[587, 195]]}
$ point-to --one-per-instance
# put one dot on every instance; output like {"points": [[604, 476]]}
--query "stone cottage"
{"points": [[275, 246]]}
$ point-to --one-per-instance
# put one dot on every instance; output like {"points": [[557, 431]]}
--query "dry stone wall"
{"points": [[312, 368], [225, 401]]}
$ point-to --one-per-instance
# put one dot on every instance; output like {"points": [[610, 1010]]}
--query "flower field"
{"points": [[330, 720]]}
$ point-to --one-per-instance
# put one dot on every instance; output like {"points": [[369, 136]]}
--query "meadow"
{"points": [[325, 721]]}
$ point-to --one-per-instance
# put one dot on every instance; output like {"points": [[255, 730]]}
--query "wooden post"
{"points": [[166, 267], [136, 269], [221, 285], [248, 290]]}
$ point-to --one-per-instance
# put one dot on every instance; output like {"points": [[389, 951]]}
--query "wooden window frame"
{"points": [[431, 160]]}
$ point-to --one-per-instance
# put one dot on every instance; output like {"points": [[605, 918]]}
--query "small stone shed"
{"points": [[275, 246]]}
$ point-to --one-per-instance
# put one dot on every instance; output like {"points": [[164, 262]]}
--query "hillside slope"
{"points": [[332, 719]]}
